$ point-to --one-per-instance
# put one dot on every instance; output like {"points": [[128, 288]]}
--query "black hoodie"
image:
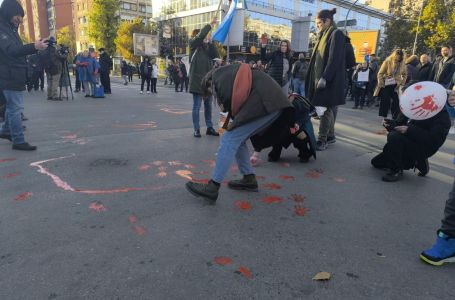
{"points": [[13, 63]]}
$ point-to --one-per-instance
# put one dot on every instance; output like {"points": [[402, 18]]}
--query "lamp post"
{"points": [[417, 30], [347, 15]]}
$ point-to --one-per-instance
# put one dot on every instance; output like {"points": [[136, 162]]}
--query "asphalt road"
{"points": [[100, 211]]}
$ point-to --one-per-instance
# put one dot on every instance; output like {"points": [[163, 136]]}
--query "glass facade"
{"points": [[263, 16]]}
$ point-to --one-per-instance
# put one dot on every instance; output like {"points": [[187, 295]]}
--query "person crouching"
{"points": [[254, 101]]}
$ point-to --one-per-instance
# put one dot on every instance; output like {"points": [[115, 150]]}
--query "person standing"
{"points": [[326, 76], [412, 70], [184, 76], [299, 70], [154, 76], [38, 72], [53, 69], [146, 74], [391, 77], [130, 72], [424, 68], [444, 68], [178, 77], [87, 70], [105, 68], [360, 81], [124, 72], [279, 64], [12, 72], [202, 53], [76, 74]]}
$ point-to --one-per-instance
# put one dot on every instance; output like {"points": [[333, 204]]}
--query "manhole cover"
{"points": [[109, 162]]}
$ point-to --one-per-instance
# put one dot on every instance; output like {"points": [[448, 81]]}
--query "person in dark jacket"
{"points": [[202, 53], [38, 72], [254, 101], [130, 72], [178, 76], [184, 76], [326, 77], [299, 70], [424, 68], [412, 70], [13, 67], [360, 85], [374, 69], [78, 84], [146, 74], [443, 251], [410, 143], [279, 64], [444, 68], [124, 72], [105, 69]]}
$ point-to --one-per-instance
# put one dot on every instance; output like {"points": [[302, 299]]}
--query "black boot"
{"points": [[208, 191], [24, 147], [393, 176], [423, 166], [211, 131], [247, 183]]}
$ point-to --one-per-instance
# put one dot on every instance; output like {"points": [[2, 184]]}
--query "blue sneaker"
{"points": [[442, 252]]}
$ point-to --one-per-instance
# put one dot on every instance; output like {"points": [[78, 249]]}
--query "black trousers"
{"points": [[154, 80], [38, 80], [2, 104], [143, 80], [78, 81], [130, 77], [448, 223], [389, 100], [187, 81], [105, 81], [359, 96], [399, 153], [178, 82]]}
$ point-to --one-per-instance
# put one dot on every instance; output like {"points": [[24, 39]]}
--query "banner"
{"points": [[146, 44], [364, 43], [222, 31]]}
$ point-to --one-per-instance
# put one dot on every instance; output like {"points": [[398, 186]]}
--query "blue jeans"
{"points": [[197, 99], [299, 86], [13, 119], [233, 143]]}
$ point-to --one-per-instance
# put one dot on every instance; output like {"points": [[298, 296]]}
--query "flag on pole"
{"points": [[222, 31]]}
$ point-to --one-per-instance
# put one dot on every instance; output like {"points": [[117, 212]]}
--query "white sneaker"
{"points": [[148, 92], [141, 92]]}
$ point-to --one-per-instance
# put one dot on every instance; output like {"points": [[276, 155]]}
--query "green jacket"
{"points": [[201, 59]]}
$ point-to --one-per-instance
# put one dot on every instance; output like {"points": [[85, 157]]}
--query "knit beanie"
{"points": [[11, 8]]}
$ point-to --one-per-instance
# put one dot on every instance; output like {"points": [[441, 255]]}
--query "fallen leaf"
{"points": [[184, 174], [315, 173], [272, 199], [132, 219], [158, 163], [222, 260], [285, 165], [245, 272], [272, 186], [300, 210], [339, 179], [322, 276], [7, 160], [297, 198], [161, 174], [243, 205], [188, 166], [97, 207], [286, 177], [175, 163], [23, 196], [144, 167]]}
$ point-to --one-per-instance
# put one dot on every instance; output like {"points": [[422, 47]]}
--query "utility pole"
{"points": [[347, 15], [418, 29]]}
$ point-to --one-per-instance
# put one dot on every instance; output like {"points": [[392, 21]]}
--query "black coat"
{"points": [[334, 72], [105, 63], [274, 63], [124, 69], [424, 71], [13, 63], [443, 76], [146, 69]]}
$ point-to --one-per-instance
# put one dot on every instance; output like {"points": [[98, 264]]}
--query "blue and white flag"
{"points": [[222, 31]]}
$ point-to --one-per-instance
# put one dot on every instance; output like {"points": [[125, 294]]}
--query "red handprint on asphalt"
{"points": [[427, 107]]}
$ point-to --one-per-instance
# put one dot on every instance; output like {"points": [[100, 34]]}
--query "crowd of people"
{"points": [[269, 102]]}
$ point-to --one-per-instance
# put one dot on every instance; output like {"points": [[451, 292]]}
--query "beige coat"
{"points": [[389, 69]]}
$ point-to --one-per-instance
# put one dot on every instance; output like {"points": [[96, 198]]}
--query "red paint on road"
{"points": [[132, 219], [7, 160], [260, 177], [139, 230], [339, 179], [243, 205], [300, 210], [245, 272], [23, 196], [315, 173], [210, 162], [222, 260], [144, 167], [272, 199], [97, 207], [272, 186], [297, 198], [287, 178], [10, 175], [285, 165], [205, 181], [161, 174]]}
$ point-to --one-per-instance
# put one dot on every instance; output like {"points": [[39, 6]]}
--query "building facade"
{"points": [[273, 17], [128, 10]]}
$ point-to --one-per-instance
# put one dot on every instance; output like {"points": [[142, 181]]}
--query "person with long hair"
{"points": [[202, 53], [279, 64], [326, 76], [391, 78]]}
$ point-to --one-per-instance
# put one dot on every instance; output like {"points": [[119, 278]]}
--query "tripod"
{"points": [[65, 75]]}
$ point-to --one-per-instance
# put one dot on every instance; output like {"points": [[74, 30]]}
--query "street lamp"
{"points": [[349, 10], [417, 30]]}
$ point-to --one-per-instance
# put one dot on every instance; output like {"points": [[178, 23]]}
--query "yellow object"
{"points": [[364, 43]]}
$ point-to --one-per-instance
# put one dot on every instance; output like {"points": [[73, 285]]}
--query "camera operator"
{"points": [[53, 57], [13, 66]]}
